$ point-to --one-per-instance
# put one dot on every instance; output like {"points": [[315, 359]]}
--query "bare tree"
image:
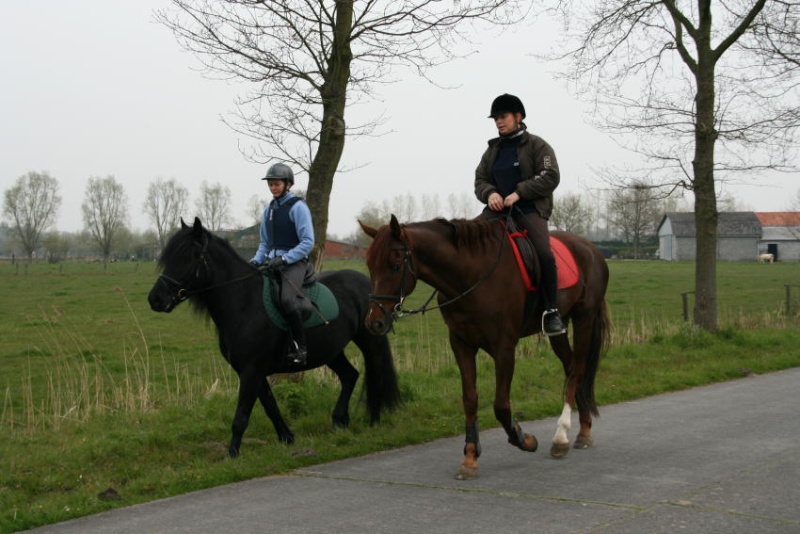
{"points": [[571, 214], [309, 60], [431, 206], [214, 205], [57, 246], [105, 210], [255, 209], [32, 204], [371, 214], [404, 207], [634, 212], [165, 203], [793, 203], [463, 205], [707, 88]]}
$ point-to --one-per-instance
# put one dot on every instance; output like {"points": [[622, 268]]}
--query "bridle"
{"points": [[180, 291], [398, 311]]}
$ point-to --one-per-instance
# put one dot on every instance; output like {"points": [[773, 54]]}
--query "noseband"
{"points": [[180, 291], [397, 311]]}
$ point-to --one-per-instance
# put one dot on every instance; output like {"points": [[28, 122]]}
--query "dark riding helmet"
{"points": [[280, 171], [506, 103]]}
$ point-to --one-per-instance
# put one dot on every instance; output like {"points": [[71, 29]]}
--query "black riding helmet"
{"points": [[506, 103], [280, 171]]}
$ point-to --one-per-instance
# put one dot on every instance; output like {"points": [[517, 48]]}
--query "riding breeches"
{"points": [[291, 285], [539, 236]]}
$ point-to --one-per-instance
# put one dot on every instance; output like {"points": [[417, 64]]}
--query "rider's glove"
{"points": [[276, 262]]}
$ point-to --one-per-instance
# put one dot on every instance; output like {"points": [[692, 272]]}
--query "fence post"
{"points": [[685, 300], [788, 300]]}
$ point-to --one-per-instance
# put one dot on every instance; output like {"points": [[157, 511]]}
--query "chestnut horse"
{"points": [[483, 301]]}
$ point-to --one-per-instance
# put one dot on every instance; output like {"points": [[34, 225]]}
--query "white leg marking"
{"points": [[564, 423]]}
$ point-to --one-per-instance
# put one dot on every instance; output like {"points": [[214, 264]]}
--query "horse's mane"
{"points": [[178, 245], [182, 241], [182, 245], [470, 234]]}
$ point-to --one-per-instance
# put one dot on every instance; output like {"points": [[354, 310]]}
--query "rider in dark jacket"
{"points": [[520, 170]]}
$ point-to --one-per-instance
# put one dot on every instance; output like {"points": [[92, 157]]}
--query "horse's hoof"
{"points": [[583, 442], [559, 450], [530, 443], [343, 422], [466, 473]]}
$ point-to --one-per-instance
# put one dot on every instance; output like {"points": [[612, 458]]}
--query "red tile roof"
{"points": [[779, 218]]}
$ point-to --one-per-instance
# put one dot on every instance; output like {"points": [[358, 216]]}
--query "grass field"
{"points": [[99, 393]]}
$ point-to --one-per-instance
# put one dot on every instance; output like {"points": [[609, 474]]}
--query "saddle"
{"points": [[318, 307], [528, 263]]}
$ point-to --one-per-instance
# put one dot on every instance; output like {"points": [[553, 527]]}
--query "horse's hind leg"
{"points": [[348, 376], [574, 370]]}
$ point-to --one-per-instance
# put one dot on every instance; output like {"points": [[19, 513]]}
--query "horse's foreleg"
{"points": [[465, 358], [348, 376], [273, 412], [247, 398], [504, 372]]}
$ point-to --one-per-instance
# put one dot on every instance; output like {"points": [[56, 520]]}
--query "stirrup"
{"points": [[552, 319], [298, 354]]}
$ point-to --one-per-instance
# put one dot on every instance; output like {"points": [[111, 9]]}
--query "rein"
{"points": [[182, 291], [398, 312]]}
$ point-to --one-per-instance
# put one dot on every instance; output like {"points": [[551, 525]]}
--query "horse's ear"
{"points": [[198, 227], [370, 231], [394, 224]]}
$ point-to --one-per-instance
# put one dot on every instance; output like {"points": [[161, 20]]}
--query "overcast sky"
{"points": [[95, 88]]}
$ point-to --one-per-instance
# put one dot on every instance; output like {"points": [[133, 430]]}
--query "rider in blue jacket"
{"points": [[287, 237]]}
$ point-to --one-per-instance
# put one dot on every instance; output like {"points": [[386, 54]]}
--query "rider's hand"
{"points": [[277, 262], [510, 200], [495, 202]]}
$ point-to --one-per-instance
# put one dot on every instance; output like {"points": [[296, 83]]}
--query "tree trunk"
{"points": [[705, 200], [332, 135]]}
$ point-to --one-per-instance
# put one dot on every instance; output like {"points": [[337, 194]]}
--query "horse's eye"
{"points": [[395, 267]]}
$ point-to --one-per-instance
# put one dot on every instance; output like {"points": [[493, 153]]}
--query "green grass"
{"points": [[99, 392]]}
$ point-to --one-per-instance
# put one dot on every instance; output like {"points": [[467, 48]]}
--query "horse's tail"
{"points": [[598, 345], [383, 392]]}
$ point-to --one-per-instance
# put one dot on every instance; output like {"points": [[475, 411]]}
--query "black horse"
{"points": [[204, 269]]}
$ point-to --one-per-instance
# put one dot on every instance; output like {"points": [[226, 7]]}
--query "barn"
{"points": [[738, 236], [780, 235], [341, 250]]}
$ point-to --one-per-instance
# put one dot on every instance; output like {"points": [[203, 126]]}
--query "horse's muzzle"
{"points": [[159, 302], [378, 320]]}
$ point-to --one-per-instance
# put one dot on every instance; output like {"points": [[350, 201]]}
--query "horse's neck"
{"points": [[442, 265], [233, 286]]}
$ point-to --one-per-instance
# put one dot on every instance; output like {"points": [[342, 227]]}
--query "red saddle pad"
{"points": [[565, 264]]}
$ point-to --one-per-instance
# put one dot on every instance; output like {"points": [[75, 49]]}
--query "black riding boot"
{"points": [[552, 325], [297, 348]]}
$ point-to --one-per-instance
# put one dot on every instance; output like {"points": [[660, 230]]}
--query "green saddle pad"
{"points": [[324, 308]]}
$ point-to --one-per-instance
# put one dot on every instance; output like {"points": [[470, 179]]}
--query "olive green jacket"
{"points": [[538, 166]]}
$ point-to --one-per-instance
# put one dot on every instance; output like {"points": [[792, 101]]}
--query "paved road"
{"points": [[718, 459]]}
